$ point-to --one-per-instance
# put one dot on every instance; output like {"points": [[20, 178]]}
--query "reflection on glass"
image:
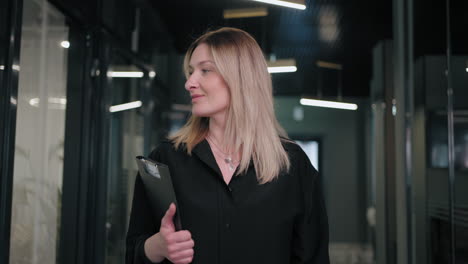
{"points": [[438, 143], [126, 142], [3, 34], [40, 125]]}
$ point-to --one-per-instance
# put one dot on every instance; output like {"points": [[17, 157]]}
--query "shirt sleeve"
{"points": [[142, 225], [310, 242]]}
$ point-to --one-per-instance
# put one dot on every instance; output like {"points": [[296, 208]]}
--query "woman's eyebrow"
{"points": [[202, 62]]}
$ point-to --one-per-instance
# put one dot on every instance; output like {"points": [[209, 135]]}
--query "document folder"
{"points": [[158, 186]]}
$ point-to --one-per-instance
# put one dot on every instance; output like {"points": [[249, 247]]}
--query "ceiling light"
{"points": [[245, 12], [123, 107], [65, 44], [282, 69], [298, 4], [277, 66], [329, 65], [54, 102], [329, 104], [14, 67], [152, 74], [125, 74]]}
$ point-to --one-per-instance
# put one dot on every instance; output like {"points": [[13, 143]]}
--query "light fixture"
{"points": [[54, 102], [245, 12], [152, 74], [125, 71], [65, 44], [123, 107], [298, 4], [328, 104], [125, 74], [329, 65], [14, 67], [286, 65]]}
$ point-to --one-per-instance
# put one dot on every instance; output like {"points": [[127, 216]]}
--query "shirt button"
{"points": [[230, 189], [228, 225]]}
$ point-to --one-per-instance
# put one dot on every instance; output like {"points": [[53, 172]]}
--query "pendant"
{"points": [[228, 161]]}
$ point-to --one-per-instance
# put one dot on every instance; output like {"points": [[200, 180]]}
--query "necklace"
{"points": [[232, 164]]}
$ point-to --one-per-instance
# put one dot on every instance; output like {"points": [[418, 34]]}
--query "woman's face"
{"points": [[209, 92]]}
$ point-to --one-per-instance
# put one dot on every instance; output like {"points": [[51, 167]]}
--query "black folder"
{"points": [[159, 189]]}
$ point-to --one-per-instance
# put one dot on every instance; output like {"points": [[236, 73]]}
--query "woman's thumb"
{"points": [[167, 220]]}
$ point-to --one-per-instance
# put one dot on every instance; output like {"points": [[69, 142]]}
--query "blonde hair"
{"points": [[251, 125]]}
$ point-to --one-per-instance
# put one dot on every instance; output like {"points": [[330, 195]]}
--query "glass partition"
{"points": [[458, 41], [40, 124], [126, 83]]}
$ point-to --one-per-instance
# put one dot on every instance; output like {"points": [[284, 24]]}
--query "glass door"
{"points": [[458, 81], [127, 83], [40, 124]]}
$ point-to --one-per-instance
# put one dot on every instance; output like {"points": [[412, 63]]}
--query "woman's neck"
{"points": [[216, 133]]}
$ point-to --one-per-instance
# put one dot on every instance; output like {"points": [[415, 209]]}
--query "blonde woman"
{"points": [[246, 193]]}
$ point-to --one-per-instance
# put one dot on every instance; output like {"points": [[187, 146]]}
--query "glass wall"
{"points": [[126, 82], [420, 149], [40, 124], [458, 81], [440, 230]]}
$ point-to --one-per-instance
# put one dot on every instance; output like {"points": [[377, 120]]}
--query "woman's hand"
{"points": [[167, 243]]}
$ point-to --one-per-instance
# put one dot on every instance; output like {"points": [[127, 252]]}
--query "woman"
{"points": [[245, 193]]}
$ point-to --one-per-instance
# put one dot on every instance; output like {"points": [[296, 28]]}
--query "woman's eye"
{"points": [[205, 70]]}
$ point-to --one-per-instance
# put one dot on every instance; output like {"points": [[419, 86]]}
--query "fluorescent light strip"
{"points": [[245, 12], [125, 74], [123, 107], [280, 69], [329, 65], [52, 100], [15, 67], [283, 3], [329, 104], [467, 69]]}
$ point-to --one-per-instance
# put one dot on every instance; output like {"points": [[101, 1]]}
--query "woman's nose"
{"points": [[191, 83]]}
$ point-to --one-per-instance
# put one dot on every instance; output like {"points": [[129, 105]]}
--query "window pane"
{"points": [[40, 125], [125, 143]]}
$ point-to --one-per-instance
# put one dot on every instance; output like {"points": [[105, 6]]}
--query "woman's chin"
{"points": [[200, 113]]}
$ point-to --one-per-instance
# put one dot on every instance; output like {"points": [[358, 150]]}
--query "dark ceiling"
{"points": [[338, 31]]}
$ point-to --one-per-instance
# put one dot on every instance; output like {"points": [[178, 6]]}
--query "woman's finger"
{"points": [[188, 253], [184, 261], [174, 248], [179, 236]]}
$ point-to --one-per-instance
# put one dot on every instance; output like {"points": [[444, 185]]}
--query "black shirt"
{"points": [[283, 221]]}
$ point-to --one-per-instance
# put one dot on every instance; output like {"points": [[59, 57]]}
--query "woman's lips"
{"points": [[196, 96]]}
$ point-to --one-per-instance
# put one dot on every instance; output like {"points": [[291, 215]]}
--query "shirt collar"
{"points": [[203, 151]]}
